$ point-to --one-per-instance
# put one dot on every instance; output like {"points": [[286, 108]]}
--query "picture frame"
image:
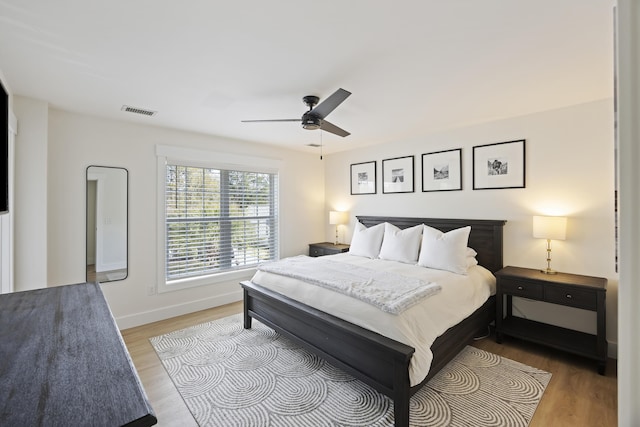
{"points": [[363, 178], [500, 165], [442, 170], [397, 175]]}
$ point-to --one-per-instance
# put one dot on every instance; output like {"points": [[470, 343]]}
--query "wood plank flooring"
{"points": [[576, 395]]}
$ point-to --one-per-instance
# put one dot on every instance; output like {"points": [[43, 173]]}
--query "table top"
{"points": [[330, 245], [63, 361], [559, 278]]}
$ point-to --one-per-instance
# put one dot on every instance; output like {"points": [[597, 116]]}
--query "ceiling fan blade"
{"points": [[330, 127], [272, 120], [323, 109]]}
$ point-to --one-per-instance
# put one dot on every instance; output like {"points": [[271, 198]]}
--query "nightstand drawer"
{"points": [[571, 297], [519, 288], [326, 248], [316, 251]]}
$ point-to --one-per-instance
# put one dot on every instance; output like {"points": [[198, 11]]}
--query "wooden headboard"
{"points": [[485, 237]]}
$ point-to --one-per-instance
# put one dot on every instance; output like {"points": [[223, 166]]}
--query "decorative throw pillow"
{"points": [[444, 251], [471, 257], [471, 261], [401, 245], [367, 241]]}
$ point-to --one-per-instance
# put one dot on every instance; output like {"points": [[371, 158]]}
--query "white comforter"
{"points": [[418, 326]]}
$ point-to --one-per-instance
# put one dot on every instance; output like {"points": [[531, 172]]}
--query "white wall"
{"points": [[569, 171], [77, 141], [31, 194], [628, 45]]}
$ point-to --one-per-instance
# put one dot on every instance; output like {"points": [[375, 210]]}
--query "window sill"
{"points": [[227, 276]]}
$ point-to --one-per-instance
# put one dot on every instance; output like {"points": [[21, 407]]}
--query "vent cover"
{"points": [[135, 110], [314, 145]]}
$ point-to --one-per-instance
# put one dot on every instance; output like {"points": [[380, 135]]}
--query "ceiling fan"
{"points": [[314, 118]]}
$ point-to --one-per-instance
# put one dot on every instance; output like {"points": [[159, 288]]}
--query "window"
{"points": [[217, 220]]}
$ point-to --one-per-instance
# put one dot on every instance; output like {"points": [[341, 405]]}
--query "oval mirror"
{"points": [[107, 224]]}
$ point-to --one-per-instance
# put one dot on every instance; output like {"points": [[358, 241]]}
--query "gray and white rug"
{"points": [[229, 376]]}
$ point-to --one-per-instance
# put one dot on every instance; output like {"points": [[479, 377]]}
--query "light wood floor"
{"points": [[105, 276], [576, 395]]}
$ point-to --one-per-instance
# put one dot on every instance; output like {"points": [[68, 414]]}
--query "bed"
{"points": [[381, 362]]}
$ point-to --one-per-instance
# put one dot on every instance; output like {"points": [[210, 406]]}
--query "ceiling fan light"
{"points": [[311, 123]]}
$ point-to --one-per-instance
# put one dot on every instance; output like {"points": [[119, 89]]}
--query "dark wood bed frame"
{"points": [[379, 361]]}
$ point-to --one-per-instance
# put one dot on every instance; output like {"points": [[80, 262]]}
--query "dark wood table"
{"points": [[326, 248], [63, 362], [570, 290]]}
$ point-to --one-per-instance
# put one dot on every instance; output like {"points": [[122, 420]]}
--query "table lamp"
{"points": [[550, 228], [337, 218]]}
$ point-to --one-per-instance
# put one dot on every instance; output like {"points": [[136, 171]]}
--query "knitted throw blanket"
{"points": [[390, 292]]}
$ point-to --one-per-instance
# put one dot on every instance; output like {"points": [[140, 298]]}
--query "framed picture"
{"points": [[397, 175], [442, 170], [500, 165], [363, 178]]}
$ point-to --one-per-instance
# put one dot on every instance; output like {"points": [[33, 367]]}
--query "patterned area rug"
{"points": [[229, 376]]}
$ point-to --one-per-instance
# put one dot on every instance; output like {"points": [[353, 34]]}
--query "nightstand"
{"points": [[326, 248], [571, 290]]}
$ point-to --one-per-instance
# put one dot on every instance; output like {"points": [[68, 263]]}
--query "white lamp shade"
{"points": [[550, 227], [336, 218]]}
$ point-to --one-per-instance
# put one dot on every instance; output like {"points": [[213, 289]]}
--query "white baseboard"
{"points": [[612, 348], [111, 266], [137, 319]]}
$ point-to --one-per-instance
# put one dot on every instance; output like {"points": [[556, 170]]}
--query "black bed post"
{"points": [[245, 304], [402, 393]]}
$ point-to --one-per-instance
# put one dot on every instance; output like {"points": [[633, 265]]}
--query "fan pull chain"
{"points": [[320, 144]]}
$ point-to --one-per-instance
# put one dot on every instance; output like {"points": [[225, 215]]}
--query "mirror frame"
{"points": [[126, 189]]}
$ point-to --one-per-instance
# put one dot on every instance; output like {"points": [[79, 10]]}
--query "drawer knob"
{"points": [[520, 288], [569, 296]]}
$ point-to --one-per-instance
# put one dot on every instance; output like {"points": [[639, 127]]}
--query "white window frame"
{"points": [[166, 154]]}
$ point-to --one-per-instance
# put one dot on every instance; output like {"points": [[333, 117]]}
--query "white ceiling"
{"points": [[413, 66]]}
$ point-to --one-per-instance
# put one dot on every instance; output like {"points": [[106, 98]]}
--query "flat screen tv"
{"points": [[4, 150]]}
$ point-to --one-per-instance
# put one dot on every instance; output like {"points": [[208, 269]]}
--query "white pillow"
{"points": [[444, 251], [471, 257], [366, 241], [471, 261], [401, 245]]}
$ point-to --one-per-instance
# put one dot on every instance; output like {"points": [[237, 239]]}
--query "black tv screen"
{"points": [[4, 150]]}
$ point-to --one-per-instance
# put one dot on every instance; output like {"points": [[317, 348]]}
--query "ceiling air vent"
{"points": [[313, 145], [135, 110]]}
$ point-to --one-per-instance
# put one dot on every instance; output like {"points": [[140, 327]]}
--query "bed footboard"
{"points": [[378, 361]]}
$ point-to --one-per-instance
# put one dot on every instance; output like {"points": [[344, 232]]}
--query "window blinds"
{"points": [[218, 220]]}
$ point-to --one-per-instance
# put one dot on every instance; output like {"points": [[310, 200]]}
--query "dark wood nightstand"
{"points": [[326, 248], [570, 290]]}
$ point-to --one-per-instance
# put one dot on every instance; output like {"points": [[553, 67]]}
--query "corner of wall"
{"points": [[30, 201]]}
